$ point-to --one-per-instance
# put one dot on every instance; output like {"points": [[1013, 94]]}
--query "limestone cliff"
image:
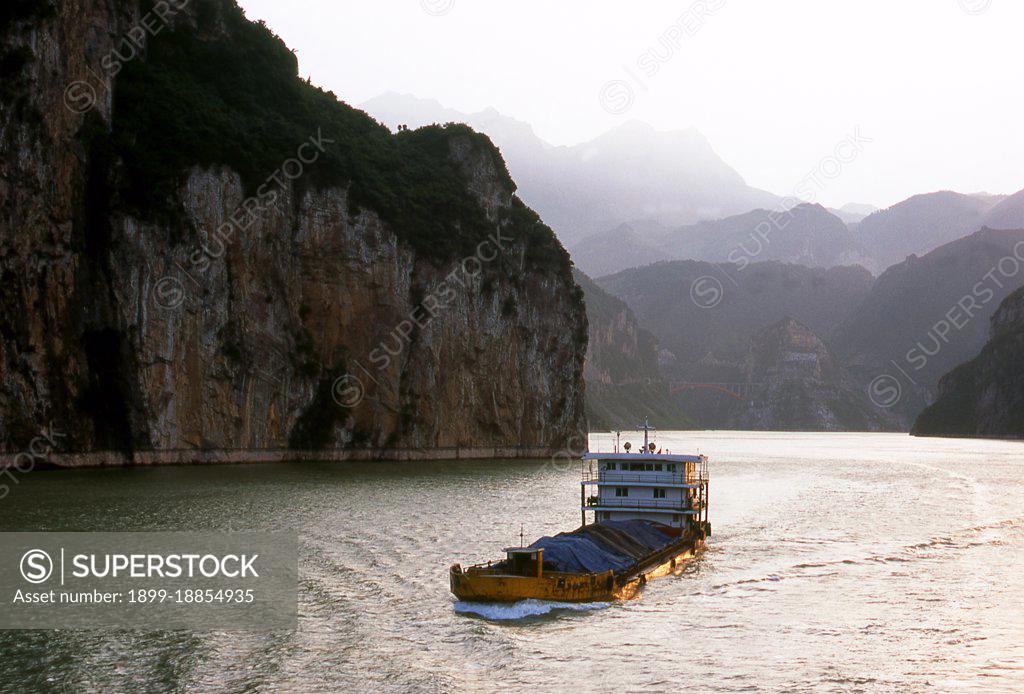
{"points": [[624, 382], [201, 251], [985, 396], [802, 386]]}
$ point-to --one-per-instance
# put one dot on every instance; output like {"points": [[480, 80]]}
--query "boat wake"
{"points": [[524, 609]]}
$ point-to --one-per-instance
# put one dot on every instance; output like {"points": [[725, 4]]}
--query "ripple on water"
{"points": [[839, 562]]}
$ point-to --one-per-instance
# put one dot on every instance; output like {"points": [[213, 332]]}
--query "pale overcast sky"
{"points": [[775, 86]]}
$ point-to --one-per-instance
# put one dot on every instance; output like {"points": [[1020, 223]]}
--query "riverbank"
{"points": [[27, 460]]}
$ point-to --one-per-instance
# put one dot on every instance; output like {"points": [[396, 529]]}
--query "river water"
{"points": [[846, 562]]}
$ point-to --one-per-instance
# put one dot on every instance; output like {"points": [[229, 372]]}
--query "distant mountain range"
{"points": [[737, 292], [636, 195], [922, 223], [709, 316], [985, 396], [916, 322], [928, 314], [906, 312], [631, 172], [806, 234], [1008, 213], [703, 314], [853, 212], [629, 245]]}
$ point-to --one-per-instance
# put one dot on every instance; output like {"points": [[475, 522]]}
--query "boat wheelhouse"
{"points": [[660, 487]]}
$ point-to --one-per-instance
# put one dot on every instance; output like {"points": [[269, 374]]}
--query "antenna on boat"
{"points": [[521, 535], [646, 427], [617, 433]]}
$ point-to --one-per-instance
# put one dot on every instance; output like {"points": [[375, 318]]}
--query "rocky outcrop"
{"points": [[799, 385], [624, 383], [385, 291], [985, 396]]}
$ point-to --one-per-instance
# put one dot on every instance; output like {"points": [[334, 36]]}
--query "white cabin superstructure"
{"points": [[666, 488]]}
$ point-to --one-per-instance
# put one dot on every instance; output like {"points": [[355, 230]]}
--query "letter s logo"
{"points": [[36, 566]]}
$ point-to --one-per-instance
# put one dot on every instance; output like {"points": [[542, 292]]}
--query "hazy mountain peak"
{"points": [[635, 128], [859, 208], [633, 171], [922, 223], [813, 207], [853, 212], [395, 96], [1008, 214], [636, 125]]}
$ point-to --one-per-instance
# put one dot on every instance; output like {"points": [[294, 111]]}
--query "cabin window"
{"points": [[611, 466], [649, 467], [636, 466], [622, 491], [657, 467], [671, 467], [659, 493]]}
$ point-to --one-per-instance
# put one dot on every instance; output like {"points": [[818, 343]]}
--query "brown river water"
{"points": [[838, 562]]}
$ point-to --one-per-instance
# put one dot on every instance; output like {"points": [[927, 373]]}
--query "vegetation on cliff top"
{"points": [[228, 93]]}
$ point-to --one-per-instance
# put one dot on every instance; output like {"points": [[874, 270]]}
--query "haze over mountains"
{"points": [[925, 316], [924, 222], [636, 195], [806, 234], [799, 323], [631, 172], [985, 396], [910, 326]]}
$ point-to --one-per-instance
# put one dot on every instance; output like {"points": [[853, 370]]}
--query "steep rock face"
{"points": [[803, 386], [985, 396], [926, 315], [324, 320], [620, 351], [622, 374]]}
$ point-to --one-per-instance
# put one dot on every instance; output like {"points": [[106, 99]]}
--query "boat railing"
{"points": [[620, 502], [642, 477]]}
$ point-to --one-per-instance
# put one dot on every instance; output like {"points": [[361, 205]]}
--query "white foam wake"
{"points": [[524, 609]]}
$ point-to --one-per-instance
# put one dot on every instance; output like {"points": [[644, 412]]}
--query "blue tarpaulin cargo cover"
{"points": [[614, 545]]}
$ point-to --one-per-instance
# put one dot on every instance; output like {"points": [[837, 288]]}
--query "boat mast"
{"points": [[646, 427]]}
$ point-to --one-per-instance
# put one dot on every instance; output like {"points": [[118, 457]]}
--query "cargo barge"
{"points": [[649, 517]]}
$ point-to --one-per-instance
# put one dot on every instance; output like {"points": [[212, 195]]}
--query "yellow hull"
{"points": [[486, 584]]}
